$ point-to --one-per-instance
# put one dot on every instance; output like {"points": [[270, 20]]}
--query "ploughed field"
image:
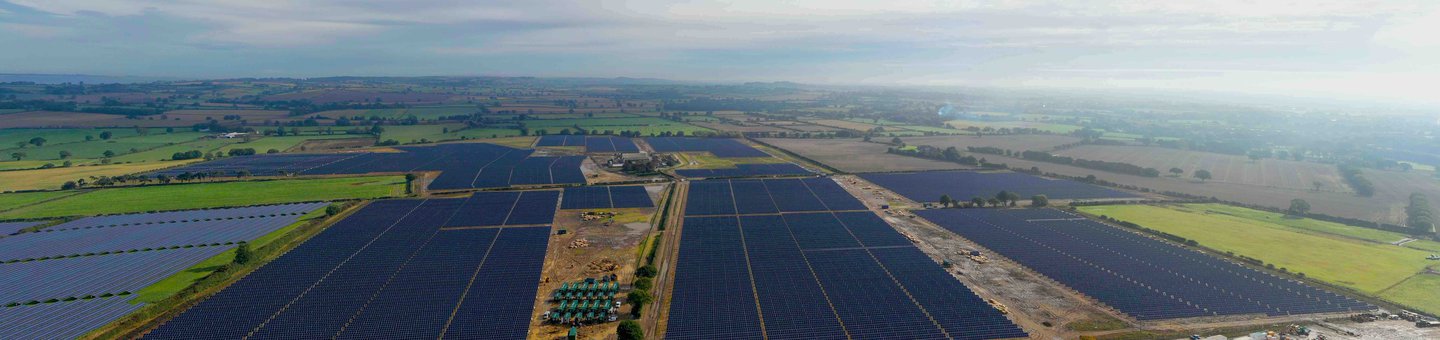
{"points": [[1270, 173]]}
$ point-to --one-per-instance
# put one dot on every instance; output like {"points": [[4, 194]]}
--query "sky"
{"points": [[1377, 50]]}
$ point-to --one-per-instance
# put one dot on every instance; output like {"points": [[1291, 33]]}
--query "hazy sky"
{"points": [[1361, 49]]}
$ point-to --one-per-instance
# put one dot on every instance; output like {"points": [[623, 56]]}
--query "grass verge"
{"points": [[211, 195]]}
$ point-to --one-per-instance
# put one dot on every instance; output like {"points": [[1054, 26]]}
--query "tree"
{"points": [[643, 283], [242, 254], [896, 141], [1298, 207], [1177, 171], [37, 141], [638, 299], [409, 181], [1039, 200], [648, 270], [945, 200], [64, 154], [993, 202], [977, 201], [69, 185], [332, 210], [1203, 175], [1317, 185], [109, 154], [629, 330], [17, 155]]}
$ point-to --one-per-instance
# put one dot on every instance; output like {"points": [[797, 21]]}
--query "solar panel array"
{"points": [[747, 170], [95, 275], [62, 320], [720, 147], [963, 185], [391, 270], [461, 165], [591, 143], [8, 228], [811, 270], [606, 197], [120, 233], [1146, 278], [767, 196]]}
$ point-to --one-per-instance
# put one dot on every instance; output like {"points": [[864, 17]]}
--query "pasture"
{"points": [[208, 195], [57, 119], [1418, 292], [1365, 266], [96, 148], [857, 156], [1272, 173]]}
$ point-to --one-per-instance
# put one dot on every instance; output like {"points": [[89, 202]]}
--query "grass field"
{"points": [[96, 149], [8, 137], [210, 195], [164, 153], [1274, 173], [1420, 291], [1331, 256], [280, 143], [705, 160], [53, 178], [406, 134], [1051, 127], [16, 200], [646, 125]]}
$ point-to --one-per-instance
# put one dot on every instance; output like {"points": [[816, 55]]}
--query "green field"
{"points": [[264, 144], [210, 195], [164, 153], [8, 137], [95, 149], [1321, 250], [1420, 291], [54, 178], [1051, 127], [174, 283], [15, 200]]}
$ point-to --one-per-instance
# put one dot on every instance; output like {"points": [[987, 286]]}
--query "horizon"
{"points": [[1375, 52]]}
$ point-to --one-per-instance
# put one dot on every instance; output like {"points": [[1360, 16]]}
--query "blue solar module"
{"points": [[869, 302], [709, 198], [551, 140], [959, 311], [567, 170], [501, 299], [534, 207], [188, 216], [1146, 278], [57, 242], [870, 230], [622, 144], [534, 170], [417, 302], [484, 209], [7, 228], [586, 198], [791, 195], [62, 320], [630, 197], [720, 147], [834, 196], [819, 231], [387, 271], [712, 297], [752, 198], [95, 275], [788, 292], [962, 185]]}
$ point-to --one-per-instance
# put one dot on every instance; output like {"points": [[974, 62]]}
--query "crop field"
{"points": [[208, 195], [738, 127], [54, 178], [421, 112], [1337, 258], [1271, 173], [391, 270], [804, 274], [414, 133], [10, 201], [282, 143], [55, 119], [720, 147], [1015, 143], [346, 96], [844, 124], [250, 116], [462, 165], [8, 137], [645, 125], [964, 185], [1137, 275], [856, 156], [1043, 126]]}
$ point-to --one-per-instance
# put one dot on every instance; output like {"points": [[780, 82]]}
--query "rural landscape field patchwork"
{"points": [[487, 208]]}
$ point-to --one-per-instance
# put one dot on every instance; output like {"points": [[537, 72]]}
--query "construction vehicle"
{"points": [[998, 306]]}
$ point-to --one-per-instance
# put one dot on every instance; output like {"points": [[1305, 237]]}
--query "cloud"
{"points": [[34, 31]]}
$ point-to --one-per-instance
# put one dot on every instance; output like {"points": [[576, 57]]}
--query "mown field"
{"points": [[1337, 254], [11, 201], [209, 195], [1274, 173]]}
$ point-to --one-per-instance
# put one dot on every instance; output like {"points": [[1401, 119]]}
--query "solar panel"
{"points": [[720, 147], [586, 198], [630, 197]]}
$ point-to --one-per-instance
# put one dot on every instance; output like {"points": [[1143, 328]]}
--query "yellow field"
{"points": [[53, 178]]}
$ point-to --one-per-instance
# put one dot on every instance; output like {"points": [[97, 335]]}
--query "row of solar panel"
{"points": [[9, 228], [95, 275], [1146, 278], [606, 197], [388, 271], [763, 196], [747, 170], [62, 320], [813, 272], [461, 165], [591, 143], [963, 185], [189, 215], [720, 147], [137, 237]]}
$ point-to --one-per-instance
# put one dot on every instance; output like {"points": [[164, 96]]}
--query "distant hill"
{"points": [[76, 78]]}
